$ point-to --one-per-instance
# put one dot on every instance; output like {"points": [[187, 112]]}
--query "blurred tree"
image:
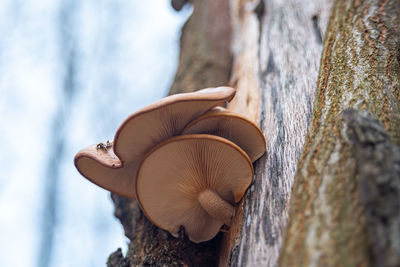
{"points": [[344, 209], [52, 179]]}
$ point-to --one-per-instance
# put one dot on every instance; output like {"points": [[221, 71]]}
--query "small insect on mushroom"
{"points": [[103, 146], [113, 165], [186, 161]]}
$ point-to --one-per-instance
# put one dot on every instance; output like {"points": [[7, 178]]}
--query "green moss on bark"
{"points": [[327, 225]]}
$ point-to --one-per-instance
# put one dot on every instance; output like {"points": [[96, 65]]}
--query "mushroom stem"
{"points": [[216, 206]]}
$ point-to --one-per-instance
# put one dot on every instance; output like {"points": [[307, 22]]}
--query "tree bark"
{"points": [[344, 207], [347, 183], [279, 44]]}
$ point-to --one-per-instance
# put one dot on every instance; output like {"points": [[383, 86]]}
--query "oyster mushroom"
{"points": [[193, 181], [99, 164], [114, 168], [232, 126]]}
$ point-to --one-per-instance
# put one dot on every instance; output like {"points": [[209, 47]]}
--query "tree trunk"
{"points": [[344, 209], [346, 200], [279, 44]]}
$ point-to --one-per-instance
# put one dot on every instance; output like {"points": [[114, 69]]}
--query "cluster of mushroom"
{"points": [[186, 160]]}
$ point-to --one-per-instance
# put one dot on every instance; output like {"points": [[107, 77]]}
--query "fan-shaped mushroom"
{"points": [[193, 181], [236, 128], [99, 164], [114, 168]]}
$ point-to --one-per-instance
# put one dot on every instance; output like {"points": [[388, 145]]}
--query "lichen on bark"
{"points": [[328, 221]]}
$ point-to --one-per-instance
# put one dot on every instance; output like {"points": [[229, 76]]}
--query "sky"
{"points": [[70, 72]]}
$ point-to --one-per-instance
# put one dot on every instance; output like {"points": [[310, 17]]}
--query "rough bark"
{"points": [[205, 61], [277, 49], [378, 165], [340, 190], [205, 57]]}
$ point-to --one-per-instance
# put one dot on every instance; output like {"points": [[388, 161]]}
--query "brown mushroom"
{"points": [[114, 168], [193, 181], [236, 128], [99, 164]]}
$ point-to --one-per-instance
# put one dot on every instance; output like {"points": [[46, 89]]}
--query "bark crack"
{"points": [[378, 164]]}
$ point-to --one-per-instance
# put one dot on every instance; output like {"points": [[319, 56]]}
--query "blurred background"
{"points": [[70, 72]]}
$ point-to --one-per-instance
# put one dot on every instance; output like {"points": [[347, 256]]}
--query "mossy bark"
{"points": [[329, 219]]}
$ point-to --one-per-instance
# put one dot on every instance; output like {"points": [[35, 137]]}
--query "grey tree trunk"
{"points": [[344, 209]]}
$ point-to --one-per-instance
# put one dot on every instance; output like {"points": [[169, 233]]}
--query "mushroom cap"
{"points": [[236, 128], [174, 173], [101, 166], [115, 168], [163, 119]]}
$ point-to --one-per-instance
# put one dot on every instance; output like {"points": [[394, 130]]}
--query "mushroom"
{"points": [[193, 181], [236, 128], [114, 168], [99, 165]]}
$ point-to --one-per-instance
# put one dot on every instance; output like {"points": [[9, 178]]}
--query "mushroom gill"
{"points": [[232, 126], [193, 181]]}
